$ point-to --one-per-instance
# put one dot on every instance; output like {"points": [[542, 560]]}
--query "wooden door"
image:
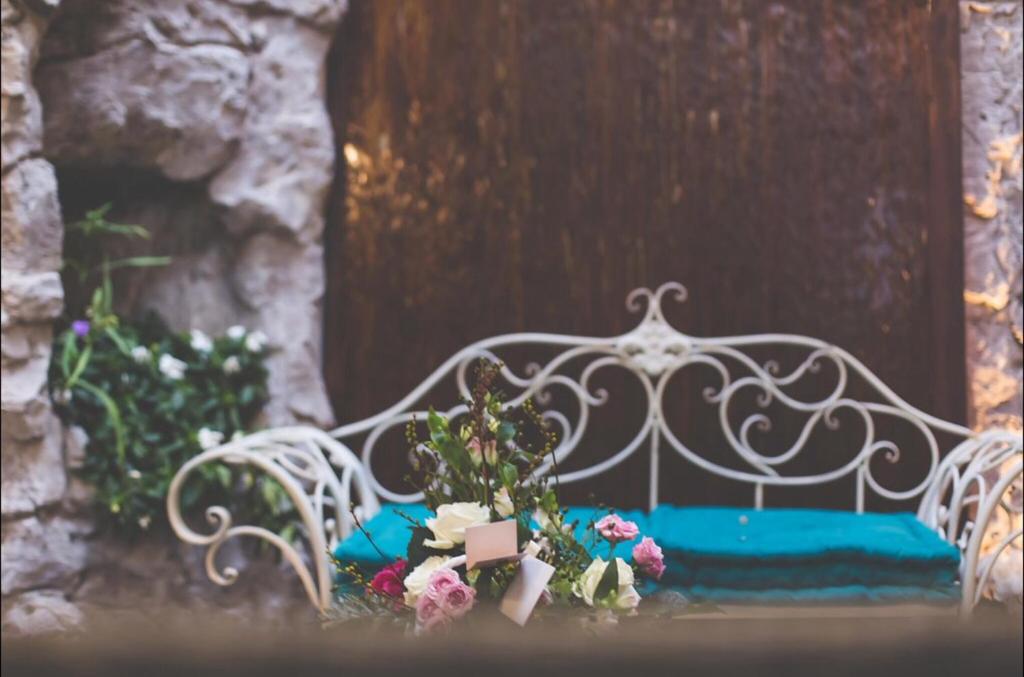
{"points": [[521, 165]]}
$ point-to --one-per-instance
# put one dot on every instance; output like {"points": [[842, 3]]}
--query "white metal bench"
{"points": [[960, 494]]}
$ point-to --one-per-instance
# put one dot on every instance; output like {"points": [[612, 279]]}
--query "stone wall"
{"points": [[42, 555], [990, 54], [204, 121]]}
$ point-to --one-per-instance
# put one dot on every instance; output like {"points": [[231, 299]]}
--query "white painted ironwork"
{"points": [[308, 461], [978, 485]]}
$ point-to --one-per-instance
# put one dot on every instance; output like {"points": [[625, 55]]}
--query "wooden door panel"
{"points": [[508, 166]]}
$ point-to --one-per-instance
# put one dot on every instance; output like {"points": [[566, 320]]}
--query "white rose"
{"points": [[208, 438], [236, 332], [586, 586], [416, 581], [141, 354], [449, 526], [626, 596], [255, 342], [201, 342], [232, 365], [172, 367], [503, 503]]}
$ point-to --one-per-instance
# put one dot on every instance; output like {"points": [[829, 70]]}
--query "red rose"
{"points": [[388, 580]]}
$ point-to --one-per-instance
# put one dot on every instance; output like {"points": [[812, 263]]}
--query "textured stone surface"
{"points": [[31, 297], [22, 115], [146, 103], [220, 104], [32, 233], [35, 613], [280, 176], [990, 54], [42, 551], [39, 549], [322, 13], [267, 264], [991, 40], [34, 475], [90, 27]]}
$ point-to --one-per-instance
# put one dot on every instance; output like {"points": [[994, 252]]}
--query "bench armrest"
{"points": [[975, 502], [322, 477]]}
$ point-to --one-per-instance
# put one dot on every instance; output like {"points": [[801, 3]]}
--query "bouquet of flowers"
{"points": [[498, 534]]}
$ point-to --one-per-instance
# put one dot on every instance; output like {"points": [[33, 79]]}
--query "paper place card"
{"points": [[526, 588], [489, 544]]}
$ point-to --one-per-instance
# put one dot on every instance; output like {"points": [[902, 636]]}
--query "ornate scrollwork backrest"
{"points": [[654, 352]]}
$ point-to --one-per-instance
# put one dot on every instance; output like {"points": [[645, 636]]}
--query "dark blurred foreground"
{"points": [[719, 646]]}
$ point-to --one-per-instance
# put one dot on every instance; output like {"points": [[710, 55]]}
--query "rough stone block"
{"points": [[40, 612], [280, 176], [41, 552], [153, 105], [33, 473], [32, 230], [322, 13], [21, 113], [31, 297], [992, 35]]}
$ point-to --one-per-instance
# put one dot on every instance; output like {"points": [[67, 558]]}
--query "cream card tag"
{"points": [[488, 544], [526, 588]]}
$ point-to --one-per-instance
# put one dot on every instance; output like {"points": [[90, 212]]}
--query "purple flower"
{"points": [[80, 327]]}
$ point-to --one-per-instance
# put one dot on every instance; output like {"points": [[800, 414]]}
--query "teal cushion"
{"points": [[390, 532], [796, 534], [729, 554], [690, 572], [827, 595], [799, 555]]}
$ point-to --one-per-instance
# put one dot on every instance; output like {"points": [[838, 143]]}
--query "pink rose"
{"points": [[445, 599], [615, 529], [430, 616], [388, 581], [648, 556], [457, 600], [440, 581]]}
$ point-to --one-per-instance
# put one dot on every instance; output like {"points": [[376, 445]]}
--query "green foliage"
{"points": [[487, 449], [148, 398]]}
